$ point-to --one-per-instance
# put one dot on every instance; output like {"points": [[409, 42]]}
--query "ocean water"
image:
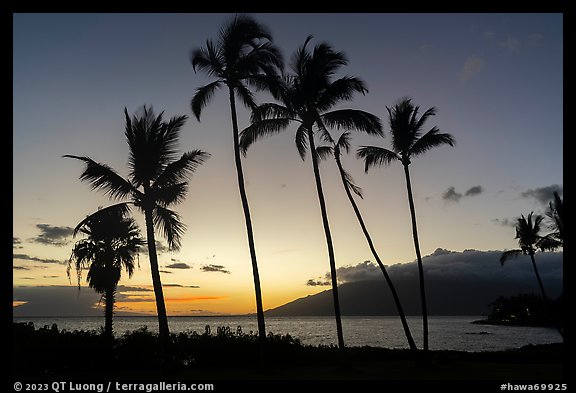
{"points": [[448, 333]]}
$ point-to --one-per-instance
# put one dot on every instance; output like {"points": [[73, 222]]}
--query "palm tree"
{"points": [[307, 97], [529, 240], [157, 180], [112, 242], [408, 142], [244, 55], [335, 150]]}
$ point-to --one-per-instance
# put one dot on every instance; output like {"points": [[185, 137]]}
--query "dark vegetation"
{"points": [[524, 310], [233, 354]]}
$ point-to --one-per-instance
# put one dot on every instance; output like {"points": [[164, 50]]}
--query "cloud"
{"points": [[161, 248], [472, 67], [51, 235], [178, 265], [451, 195], [16, 242], [511, 44], [472, 191], [505, 222], [469, 264], [543, 194], [26, 257], [180, 286], [165, 271], [214, 268], [20, 268], [317, 282]]}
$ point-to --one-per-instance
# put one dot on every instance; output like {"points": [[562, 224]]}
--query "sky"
{"points": [[495, 79]]}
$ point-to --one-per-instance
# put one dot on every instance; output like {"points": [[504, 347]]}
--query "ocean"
{"points": [[446, 333]]}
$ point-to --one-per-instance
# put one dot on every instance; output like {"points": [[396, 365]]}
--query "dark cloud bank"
{"points": [[457, 283]]}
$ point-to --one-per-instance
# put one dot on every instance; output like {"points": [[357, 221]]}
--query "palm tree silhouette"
{"points": [[157, 180], [243, 55], [529, 240], [307, 97], [335, 150], [112, 242], [408, 142]]}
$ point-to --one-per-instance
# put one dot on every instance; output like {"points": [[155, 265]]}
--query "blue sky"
{"points": [[495, 79]]}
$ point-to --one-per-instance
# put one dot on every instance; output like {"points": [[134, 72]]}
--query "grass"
{"points": [[234, 355]]}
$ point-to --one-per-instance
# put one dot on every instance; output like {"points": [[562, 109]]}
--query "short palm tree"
{"points": [[157, 180], [529, 240], [111, 244], [408, 142], [307, 97], [243, 56], [335, 150]]}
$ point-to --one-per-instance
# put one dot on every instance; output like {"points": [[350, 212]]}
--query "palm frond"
{"points": [[120, 210], [349, 181], [344, 142], [302, 141], [431, 139], [101, 177], [260, 129], [324, 151], [207, 59], [549, 242], [246, 96], [203, 96], [168, 223], [376, 156], [506, 255], [181, 169], [170, 194], [342, 89], [271, 111], [353, 119]]}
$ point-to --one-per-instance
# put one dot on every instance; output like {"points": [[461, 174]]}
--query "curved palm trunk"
{"points": [[109, 298], [163, 330], [544, 296], [419, 258], [246, 209], [377, 257], [328, 241], [538, 278]]}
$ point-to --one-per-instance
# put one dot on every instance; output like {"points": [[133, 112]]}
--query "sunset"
{"points": [[263, 203]]}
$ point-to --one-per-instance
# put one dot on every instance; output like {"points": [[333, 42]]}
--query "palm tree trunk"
{"points": [[418, 257], [328, 240], [246, 209], [544, 296], [109, 300], [163, 330], [538, 278], [377, 257]]}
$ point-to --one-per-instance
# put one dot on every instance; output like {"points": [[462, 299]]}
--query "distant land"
{"points": [[444, 297], [457, 283]]}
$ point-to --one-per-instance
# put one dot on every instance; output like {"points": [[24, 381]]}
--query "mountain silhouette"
{"points": [[452, 296]]}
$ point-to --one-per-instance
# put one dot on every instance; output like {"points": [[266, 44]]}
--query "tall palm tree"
{"points": [[243, 56], [157, 180], [308, 97], [408, 142], [335, 150], [112, 242]]}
